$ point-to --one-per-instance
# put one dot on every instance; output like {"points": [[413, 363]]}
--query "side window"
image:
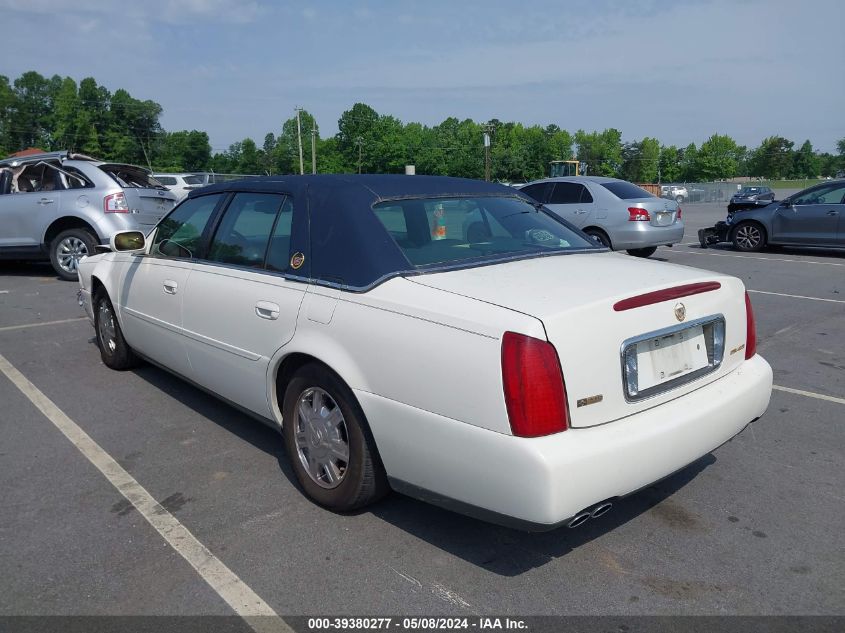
{"points": [[586, 196], [75, 179], [178, 235], [826, 194], [278, 257], [538, 191], [394, 221], [244, 232], [566, 193]]}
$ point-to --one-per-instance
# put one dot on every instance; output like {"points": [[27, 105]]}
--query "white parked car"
{"points": [[445, 338], [678, 193], [180, 184]]}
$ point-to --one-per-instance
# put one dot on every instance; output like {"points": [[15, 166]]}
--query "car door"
{"points": [[572, 202], [811, 217], [153, 286], [240, 306], [25, 213]]}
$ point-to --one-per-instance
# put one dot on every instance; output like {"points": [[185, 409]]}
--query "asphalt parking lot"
{"points": [[754, 528]]}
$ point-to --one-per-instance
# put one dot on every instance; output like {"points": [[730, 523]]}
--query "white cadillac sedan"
{"points": [[449, 339]]}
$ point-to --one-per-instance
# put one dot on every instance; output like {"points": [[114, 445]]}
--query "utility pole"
{"points": [[313, 150], [488, 130], [299, 137], [360, 141]]}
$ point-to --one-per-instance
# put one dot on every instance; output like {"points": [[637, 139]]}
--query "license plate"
{"points": [[671, 356], [663, 218]]}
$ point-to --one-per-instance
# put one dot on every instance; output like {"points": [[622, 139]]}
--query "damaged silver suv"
{"points": [[60, 206]]}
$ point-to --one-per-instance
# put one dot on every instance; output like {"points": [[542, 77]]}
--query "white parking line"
{"points": [[243, 600], [809, 394], [768, 259], [9, 328], [783, 294]]}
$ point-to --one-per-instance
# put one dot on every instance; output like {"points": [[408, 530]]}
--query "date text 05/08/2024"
{"points": [[416, 623]]}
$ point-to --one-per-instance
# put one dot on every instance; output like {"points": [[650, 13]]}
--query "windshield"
{"points": [[749, 191], [626, 190], [129, 176], [437, 231]]}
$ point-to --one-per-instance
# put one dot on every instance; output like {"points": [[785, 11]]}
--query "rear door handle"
{"points": [[46, 201], [267, 310], [832, 212], [170, 286]]}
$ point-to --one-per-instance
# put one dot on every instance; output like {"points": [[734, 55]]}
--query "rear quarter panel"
{"points": [[419, 346]]}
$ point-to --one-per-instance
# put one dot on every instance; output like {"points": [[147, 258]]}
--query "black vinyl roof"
{"points": [[345, 243], [371, 187]]}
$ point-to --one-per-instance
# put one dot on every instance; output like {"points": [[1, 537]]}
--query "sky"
{"points": [[679, 71]]}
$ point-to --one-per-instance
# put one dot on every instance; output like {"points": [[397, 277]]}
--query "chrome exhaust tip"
{"points": [[600, 509], [578, 519]]}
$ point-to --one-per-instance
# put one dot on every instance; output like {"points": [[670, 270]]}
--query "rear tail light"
{"points": [[115, 203], [534, 391], [636, 214], [679, 213], [750, 329]]}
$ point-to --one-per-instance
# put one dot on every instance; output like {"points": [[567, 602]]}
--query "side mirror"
{"points": [[786, 204], [128, 242]]}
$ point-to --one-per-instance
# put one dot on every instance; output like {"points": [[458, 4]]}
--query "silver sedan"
{"points": [[619, 214]]}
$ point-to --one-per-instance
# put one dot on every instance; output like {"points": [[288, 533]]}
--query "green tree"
{"points": [[688, 163], [717, 158], [806, 163], [641, 160], [286, 151], [250, 158], [670, 164], [357, 129], [183, 151], [601, 151], [7, 100], [773, 159], [66, 106], [329, 158], [30, 117]]}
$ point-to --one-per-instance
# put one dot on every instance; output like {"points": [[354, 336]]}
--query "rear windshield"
{"points": [[438, 231], [192, 180], [129, 176], [626, 190]]}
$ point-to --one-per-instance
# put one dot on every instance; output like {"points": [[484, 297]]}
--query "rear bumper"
{"points": [[540, 483], [643, 234]]}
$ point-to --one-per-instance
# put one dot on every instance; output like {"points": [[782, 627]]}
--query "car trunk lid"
{"points": [[147, 200], [578, 314], [661, 212]]}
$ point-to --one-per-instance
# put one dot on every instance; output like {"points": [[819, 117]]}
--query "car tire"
{"points": [[114, 350], [600, 236], [329, 443], [679, 199], [642, 252], [749, 237], [67, 248]]}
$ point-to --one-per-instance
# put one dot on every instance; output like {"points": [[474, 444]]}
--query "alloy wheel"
{"points": [[748, 236], [68, 253], [321, 436], [105, 326]]}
